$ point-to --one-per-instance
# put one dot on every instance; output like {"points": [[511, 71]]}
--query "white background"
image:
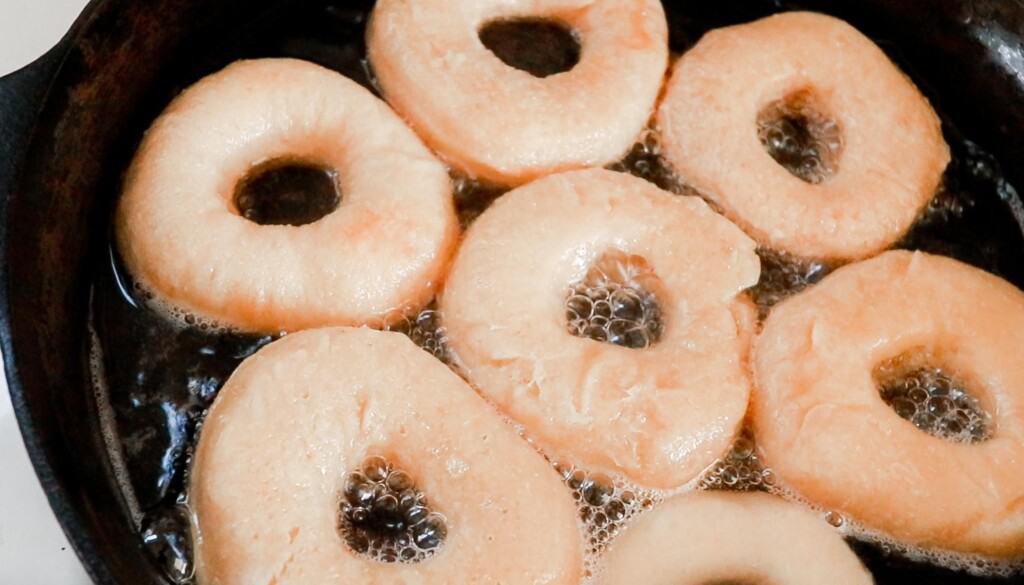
{"points": [[33, 550]]}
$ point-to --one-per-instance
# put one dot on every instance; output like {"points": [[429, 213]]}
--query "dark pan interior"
{"points": [[125, 60]]}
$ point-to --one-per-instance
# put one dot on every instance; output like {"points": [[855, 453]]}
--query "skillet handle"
{"points": [[21, 97]]}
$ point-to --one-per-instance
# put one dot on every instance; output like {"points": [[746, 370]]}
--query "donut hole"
{"points": [[385, 517], [801, 137], [287, 191], [538, 46], [934, 400], [616, 302]]}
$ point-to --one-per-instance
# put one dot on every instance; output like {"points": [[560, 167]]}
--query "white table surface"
{"points": [[33, 550]]}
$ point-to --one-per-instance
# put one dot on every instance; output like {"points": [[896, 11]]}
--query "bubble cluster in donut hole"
{"points": [[385, 517], [801, 137], [934, 400], [615, 303]]}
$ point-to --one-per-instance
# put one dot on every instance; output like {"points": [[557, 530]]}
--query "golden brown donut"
{"points": [[730, 537], [823, 427], [382, 252], [658, 415], [890, 153], [296, 420], [502, 124]]}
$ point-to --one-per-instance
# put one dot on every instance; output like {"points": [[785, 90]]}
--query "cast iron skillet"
{"points": [[69, 123]]}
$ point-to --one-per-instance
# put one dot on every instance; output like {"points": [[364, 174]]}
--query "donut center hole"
{"points": [[616, 302], [384, 516], [538, 46], [935, 401], [287, 192], [797, 133]]}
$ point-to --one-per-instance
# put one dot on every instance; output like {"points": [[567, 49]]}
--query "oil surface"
{"points": [[158, 378]]}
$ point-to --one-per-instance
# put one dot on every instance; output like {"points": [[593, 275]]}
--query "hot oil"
{"points": [[159, 377], [156, 377], [606, 506]]}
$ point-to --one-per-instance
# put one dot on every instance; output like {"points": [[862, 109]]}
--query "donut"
{"points": [[824, 425], [507, 126], [282, 131], [804, 133], [605, 316], [346, 455], [731, 537]]}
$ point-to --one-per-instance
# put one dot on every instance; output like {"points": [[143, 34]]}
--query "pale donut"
{"points": [[728, 537], [893, 152], [303, 412], [504, 125], [659, 415], [382, 251], [824, 429]]}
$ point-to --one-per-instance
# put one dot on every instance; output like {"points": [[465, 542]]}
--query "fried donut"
{"points": [[330, 436], [658, 411], [182, 234], [824, 428], [731, 537], [506, 125], [849, 151]]}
